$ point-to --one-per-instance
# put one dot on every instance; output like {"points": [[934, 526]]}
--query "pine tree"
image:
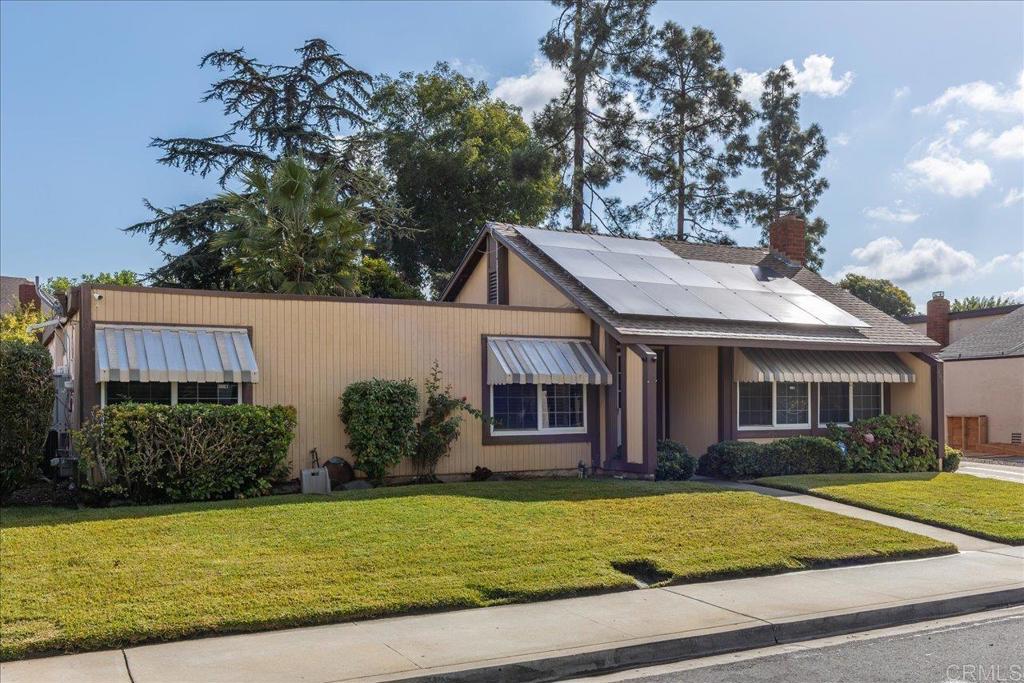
{"points": [[790, 159], [316, 109], [695, 140], [590, 125]]}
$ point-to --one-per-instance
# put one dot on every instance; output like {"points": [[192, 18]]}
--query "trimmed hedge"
{"points": [[887, 443], [674, 462], [26, 404], [794, 455], [380, 418], [155, 453], [951, 462]]}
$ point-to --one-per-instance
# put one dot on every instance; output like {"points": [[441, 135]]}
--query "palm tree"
{"points": [[290, 233]]}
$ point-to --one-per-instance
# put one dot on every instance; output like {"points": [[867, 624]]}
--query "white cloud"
{"points": [[887, 215], [981, 96], [927, 260], [471, 68], [814, 78], [841, 140], [901, 92], [533, 90], [1014, 196], [1015, 294], [1007, 145], [946, 173]]}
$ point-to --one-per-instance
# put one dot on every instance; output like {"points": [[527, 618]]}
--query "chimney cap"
{"points": [[939, 294]]}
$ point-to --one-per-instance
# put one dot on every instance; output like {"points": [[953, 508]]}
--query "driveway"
{"points": [[1008, 469]]}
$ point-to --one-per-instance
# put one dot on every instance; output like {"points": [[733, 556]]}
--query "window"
{"points": [[538, 408], [169, 393], [834, 402], [792, 403], [867, 399], [208, 392], [138, 392], [755, 404]]}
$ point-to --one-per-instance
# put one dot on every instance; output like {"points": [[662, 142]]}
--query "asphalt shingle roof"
{"points": [[884, 331], [1004, 337]]}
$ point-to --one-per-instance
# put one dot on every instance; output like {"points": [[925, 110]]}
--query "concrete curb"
{"points": [[588, 662]]}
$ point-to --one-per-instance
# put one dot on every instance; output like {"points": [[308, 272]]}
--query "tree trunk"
{"points": [[681, 188], [579, 119]]}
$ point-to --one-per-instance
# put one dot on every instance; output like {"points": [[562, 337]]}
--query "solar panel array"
{"points": [[642, 277]]}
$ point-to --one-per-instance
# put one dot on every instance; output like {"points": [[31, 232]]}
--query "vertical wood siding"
{"points": [[527, 288], [634, 407], [308, 351], [474, 291], [914, 398], [693, 390]]}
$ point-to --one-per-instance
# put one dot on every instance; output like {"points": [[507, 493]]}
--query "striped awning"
{"points": [[515, 360], [145, 353], [796, 365]]}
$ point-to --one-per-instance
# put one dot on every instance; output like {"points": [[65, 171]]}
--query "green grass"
{"points": [[75, 580], [988, 508]]}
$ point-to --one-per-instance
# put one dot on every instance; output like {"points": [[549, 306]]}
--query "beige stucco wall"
{"points": [[914, 398], [693, 396], [634, 407], [527, 288], [308, 351], [993, 387], [474, 291]]}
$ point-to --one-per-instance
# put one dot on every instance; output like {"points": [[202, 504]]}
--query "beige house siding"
{"points": [[527, 288], [475, 289], [308, 351], [693, 396], [634, 407], [991, 387], [914, 398]]}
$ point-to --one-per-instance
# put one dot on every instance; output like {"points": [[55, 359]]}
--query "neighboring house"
{"points": [[15, 291], [578, 349], [983, 356]]}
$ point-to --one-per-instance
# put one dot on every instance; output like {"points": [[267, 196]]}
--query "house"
{"points": [[578, 348], [16, 292]]}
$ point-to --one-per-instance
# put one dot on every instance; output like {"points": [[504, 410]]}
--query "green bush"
{"points": [[793, 455], [380, 418], [951, 463], [674, 462], [153, 453], [26, 404], [887, 443], [440, 426]]}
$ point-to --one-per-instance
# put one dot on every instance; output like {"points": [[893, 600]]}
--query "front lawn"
{"points": [[75, 580], [988, 508]]}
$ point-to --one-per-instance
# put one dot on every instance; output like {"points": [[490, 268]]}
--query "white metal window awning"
{"points": [[151, 353], [515, 360], [796, 365]]}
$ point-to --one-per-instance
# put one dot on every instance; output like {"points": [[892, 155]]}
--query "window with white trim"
{"points": [[538, 409], [170, 393], [845, 402], [773, 405]]}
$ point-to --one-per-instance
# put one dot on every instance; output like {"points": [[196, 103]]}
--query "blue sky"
{"points": [[923, 105]]}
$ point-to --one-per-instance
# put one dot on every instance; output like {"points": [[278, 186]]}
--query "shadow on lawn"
{"points": [[518, 491]]}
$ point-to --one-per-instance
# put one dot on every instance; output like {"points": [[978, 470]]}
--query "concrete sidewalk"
{"points": [[546, 640]]}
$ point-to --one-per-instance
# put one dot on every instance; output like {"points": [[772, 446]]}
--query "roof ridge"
{"points": [[643, 238]]}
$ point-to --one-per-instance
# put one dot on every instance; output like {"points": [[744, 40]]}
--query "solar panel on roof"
{"points": [[622, 245], [679, 301], [823, 310], [632, 267], [731, 305], [730, 275], [681, 271], [624, 297], [579, 262], [779, 308], [554, 238]]}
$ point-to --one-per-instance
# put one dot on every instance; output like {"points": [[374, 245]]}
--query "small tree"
{"points": [[62, 284], [882, 294], [14, 325], [380, 418], [440, 426], [26, 402], [974, 303]]}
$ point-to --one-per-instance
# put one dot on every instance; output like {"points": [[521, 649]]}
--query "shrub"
{"points": [[951, 463], [674, 462], [887, 443], [380, 418], [440, 426], [26, 404], [793, 455], [153, 453]]}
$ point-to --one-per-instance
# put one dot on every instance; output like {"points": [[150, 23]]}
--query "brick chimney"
{"points": [[27, 295], [938, 318], [787, 235]]}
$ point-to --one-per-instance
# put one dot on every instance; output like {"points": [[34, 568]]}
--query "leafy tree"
{"points": [[316, 109], [64, 283], [696, 139], [14, 324], [291, 233], [790, 159], [441, 424], [882, 294], [378, 281], [590, 125], [974, 303], [457, 159]]}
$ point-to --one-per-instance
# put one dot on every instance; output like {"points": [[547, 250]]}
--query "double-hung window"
{"points": [[538, 409], [845, 402], [170, 393], [773, 405]]}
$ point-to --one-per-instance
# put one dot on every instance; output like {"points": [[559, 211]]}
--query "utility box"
{"points": [[316, 480]]}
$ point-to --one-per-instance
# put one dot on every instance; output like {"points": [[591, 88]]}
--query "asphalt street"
{"points": [[985, 647]]}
